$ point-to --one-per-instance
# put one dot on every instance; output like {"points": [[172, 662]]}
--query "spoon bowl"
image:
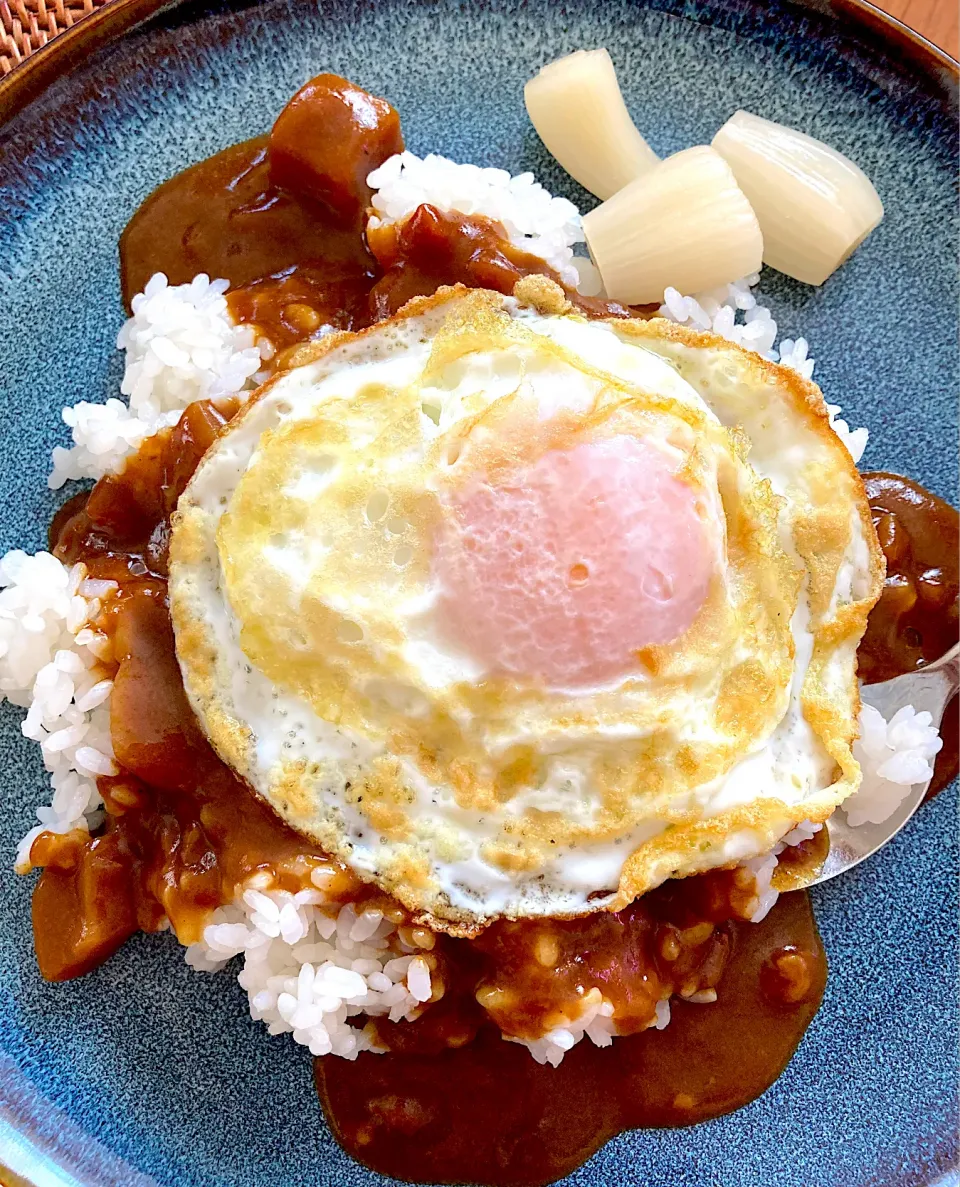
{"points": [[930, 689]]}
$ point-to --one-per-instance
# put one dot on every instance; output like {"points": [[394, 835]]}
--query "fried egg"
{"points": [[520, 614]]}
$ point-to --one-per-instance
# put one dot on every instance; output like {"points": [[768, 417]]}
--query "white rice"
{"points": [[535, 221], [854, 439], [291, 943], [181, 346], [894, 755], [762, 869], [308, 968], [50, 664], [806, 830], [733, 312], [309, 965]]}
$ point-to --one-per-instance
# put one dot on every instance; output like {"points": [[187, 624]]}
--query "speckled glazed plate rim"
{"points": [[25, 1159], [68, 49]]}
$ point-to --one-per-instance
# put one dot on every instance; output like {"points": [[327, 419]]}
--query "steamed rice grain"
{"points": [[181, 345], [50, 664], [535, 221], [895, 756]]}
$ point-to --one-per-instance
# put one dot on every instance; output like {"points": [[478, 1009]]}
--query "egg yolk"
{"points": [[565, 569]]}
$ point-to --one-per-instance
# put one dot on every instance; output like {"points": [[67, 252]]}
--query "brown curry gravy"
{"points": [[451, 1102], [487, 1113], [918, 616], [290, 239]]}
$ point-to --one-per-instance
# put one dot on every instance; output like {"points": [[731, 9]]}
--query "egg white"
{"points": [[310, 765]]}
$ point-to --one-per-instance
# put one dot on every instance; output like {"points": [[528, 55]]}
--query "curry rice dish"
{"points": [[469, 651]]}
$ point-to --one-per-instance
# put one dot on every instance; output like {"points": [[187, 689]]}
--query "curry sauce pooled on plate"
{"points": [[473, 654]]}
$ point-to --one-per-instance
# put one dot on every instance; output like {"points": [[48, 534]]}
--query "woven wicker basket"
{"points": [[26, 25]]}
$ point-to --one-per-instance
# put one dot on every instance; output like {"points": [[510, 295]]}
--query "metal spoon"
{"points": [[927, 689]]}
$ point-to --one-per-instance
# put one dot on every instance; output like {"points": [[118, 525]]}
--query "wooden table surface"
{"points": [[937, 20]]}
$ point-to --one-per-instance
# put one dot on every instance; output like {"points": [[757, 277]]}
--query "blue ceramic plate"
{"points": [[144, 1072]]}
